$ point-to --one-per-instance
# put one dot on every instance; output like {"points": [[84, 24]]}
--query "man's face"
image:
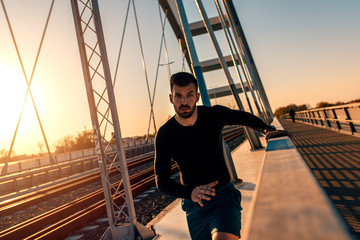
{"points": [[184, 100]]}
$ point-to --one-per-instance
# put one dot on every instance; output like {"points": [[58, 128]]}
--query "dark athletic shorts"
{"points": [[221, 214]]}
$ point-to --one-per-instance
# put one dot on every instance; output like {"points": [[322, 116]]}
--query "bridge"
{"points": [[306, 187]]}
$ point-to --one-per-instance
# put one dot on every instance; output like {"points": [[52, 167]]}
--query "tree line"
{"points": [[285, 110], [82, 140]]}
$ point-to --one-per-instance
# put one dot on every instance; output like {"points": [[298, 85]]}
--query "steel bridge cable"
{"points": [[240, 59], [246, 59], [118, 63], [163, 40], [241, 62], [119, 54], [183, 56], [165, 45], [253, 90], [182, 53], [262, 106], [143, 60], [223, 24], [121, 42], [183, 61], [4, 170]]}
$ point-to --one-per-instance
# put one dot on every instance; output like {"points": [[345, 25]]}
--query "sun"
{"points": [[13, 88]]}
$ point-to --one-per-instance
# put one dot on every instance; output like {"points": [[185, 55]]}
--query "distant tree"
{"points": [[285, 110], [84, 139], [326, 104], [303, 107], [353, 101], [323, 105], [65, 144], [280, 111], [339, 103], [4, 154]]}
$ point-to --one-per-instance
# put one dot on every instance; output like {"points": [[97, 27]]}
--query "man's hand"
{"points": [[277, 133], [203, 192]]}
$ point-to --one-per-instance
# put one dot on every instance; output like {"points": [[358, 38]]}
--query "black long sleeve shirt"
{"points": [[197, 149]]}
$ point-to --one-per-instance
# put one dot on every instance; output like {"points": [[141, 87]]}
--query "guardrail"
{"points": [[345, 118], [289, 202], [17, 184], [132, 149]]}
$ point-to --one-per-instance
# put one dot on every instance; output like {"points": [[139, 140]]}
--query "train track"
{"points": [[59, 222], [19, 203], [71, 216]]}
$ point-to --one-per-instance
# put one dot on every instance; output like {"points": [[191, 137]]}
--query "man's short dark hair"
{"points": [[183, 79]]}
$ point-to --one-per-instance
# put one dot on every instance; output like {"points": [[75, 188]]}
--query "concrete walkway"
{"points": [[334, 159]]}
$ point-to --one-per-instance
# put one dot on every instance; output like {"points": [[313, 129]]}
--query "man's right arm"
{"points": [[163, 173]]}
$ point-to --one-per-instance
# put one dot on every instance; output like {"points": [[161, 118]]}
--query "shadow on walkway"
{"points": [[334, 159]]}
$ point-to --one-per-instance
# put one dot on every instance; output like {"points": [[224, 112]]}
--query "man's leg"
{"points": [[199, 228], [225, 218], [224, 236]]}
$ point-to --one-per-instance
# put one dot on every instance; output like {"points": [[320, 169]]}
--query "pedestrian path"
{"points": [[334, 159]]}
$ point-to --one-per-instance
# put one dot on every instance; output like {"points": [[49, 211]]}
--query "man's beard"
{"points": [[185, 114]]}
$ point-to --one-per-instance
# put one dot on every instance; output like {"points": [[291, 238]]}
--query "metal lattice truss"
{"points": [[103, 112]]}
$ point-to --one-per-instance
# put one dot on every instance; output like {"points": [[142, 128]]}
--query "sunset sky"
{"points": [[305, 51]]}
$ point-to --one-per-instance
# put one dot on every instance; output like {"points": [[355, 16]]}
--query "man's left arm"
{"points": [[237, 117]]}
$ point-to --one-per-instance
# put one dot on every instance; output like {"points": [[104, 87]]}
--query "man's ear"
{"points": [[197, 96], [171, 98]]}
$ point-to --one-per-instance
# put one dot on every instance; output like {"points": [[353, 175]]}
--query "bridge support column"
{"points": [[102, 104]]}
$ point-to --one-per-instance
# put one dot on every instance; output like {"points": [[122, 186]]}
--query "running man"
{"points": [[193, 139]]}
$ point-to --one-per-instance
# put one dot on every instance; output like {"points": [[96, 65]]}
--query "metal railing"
{"points": [[20, 183], [132, 149], [342, 118]]}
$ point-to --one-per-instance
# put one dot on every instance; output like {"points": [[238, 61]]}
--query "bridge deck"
{"points": [[334, 158]]}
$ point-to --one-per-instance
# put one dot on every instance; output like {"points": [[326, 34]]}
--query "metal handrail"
{"points": [[339, 117], [350, 105]]}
